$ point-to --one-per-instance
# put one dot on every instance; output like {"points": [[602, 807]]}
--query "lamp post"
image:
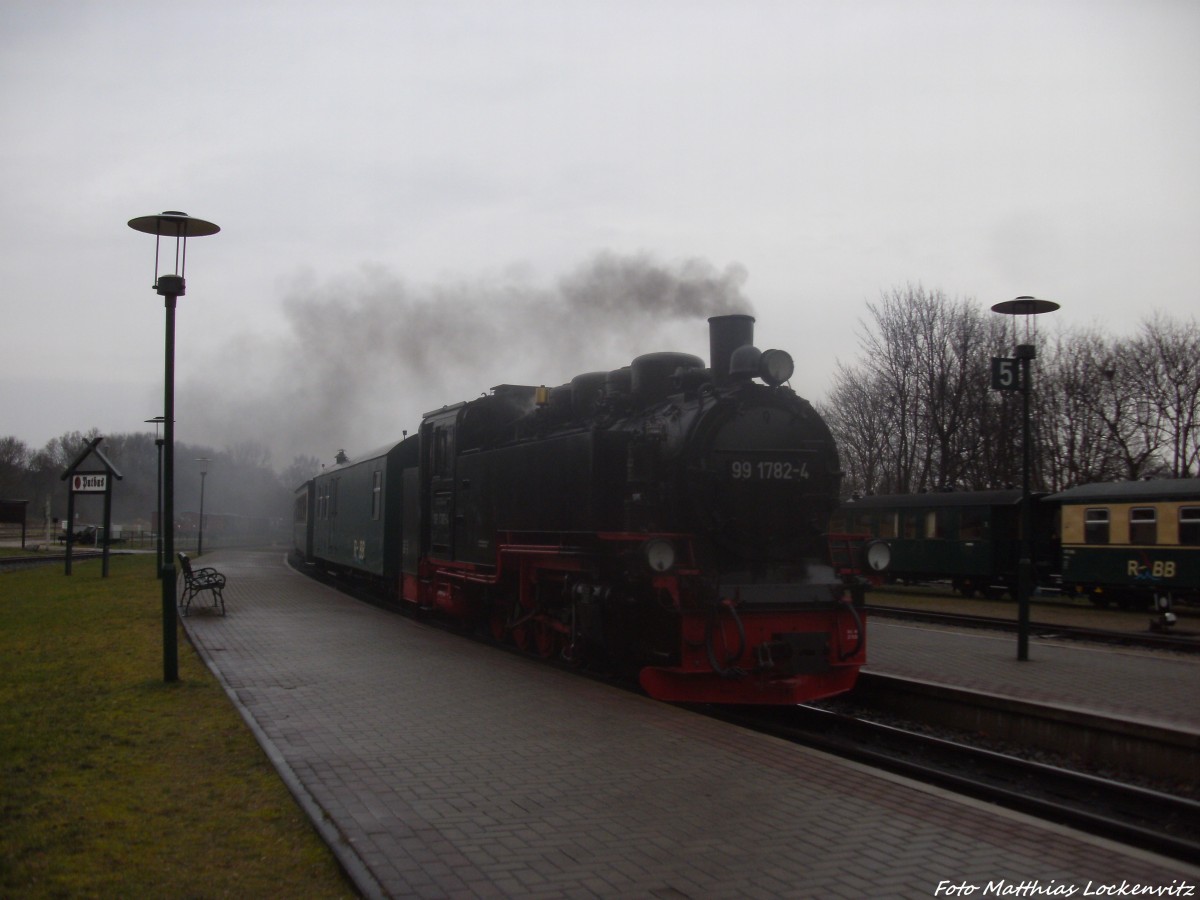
{"points": [[180, 226], [158, 443], [1004, 378], [204, 461]]}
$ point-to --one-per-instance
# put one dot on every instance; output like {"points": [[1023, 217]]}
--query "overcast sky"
{"points": [[442, 195]]}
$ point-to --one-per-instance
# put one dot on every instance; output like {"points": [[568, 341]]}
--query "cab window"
{"points": [[443, 450]]}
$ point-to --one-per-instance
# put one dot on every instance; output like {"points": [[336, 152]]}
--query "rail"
{"points": [[1189, 643], [1138, 816]]}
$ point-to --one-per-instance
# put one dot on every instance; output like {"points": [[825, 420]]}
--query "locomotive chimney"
{"points": [[726, 334]]}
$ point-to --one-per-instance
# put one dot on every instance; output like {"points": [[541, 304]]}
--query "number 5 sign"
{"points": [[1006, 376]]}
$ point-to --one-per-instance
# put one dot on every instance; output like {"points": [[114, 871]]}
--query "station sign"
{"points": [[89, 484], [93, 482]]}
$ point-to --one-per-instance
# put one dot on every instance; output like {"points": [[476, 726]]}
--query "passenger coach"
{"points": [[1132, 543], [359, 535], [970, 538]]}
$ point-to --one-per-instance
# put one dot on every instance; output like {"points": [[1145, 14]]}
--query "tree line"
{"points": [[240, 481], [918, 414]]}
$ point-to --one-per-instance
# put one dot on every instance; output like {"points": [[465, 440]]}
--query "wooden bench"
{"points": [[197, 580]]}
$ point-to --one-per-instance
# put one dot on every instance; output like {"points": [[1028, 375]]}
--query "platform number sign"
{"points": [[1006, 374]]}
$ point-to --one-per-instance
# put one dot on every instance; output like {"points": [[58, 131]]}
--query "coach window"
{"points": [[861, 523], [908, 525], [376, 494], [1143, 525], [1189, 526], [935, 528], [1095, 526], [887, 525], [972, 524]]}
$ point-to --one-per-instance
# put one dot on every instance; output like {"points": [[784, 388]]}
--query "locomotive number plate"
{"points": [[768, 470]]}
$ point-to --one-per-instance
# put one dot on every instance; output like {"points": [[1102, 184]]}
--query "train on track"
{"points": [[666, 518], [1135, 543]]}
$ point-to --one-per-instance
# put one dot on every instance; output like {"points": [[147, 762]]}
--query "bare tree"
{"points": [[892, 350], [857, 412], [1078, 444], [1165, 361], [916, 415], [14, 469], [301, 469]]}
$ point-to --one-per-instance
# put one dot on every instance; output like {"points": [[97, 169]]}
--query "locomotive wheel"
{"points": [[502, 631], [522, 633], [544, 638], [520, 636], [498, 622]]}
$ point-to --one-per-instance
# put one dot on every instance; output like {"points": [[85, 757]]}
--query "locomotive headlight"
{"points": [[660, 554], [879, 556], [776, 367]]}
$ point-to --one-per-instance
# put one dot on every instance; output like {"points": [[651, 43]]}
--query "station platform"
{"points": [[441, 767], [1153, 686]]}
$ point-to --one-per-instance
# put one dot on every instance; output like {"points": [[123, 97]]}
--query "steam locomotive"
{"points": [[666, 519]]}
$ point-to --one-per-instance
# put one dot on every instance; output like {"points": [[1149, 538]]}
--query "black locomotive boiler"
{"points": [[666, 517]]}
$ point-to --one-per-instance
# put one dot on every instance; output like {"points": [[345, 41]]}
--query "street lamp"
{"points": [[1004, 379], [158, 442], [204, 461], [181, 226]]}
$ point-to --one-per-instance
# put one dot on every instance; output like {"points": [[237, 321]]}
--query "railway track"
{"points": [[1189, 643], [1137, 816]]}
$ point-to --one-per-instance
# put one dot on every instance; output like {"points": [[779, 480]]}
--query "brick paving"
{"points": [[439, 767], [1154, 686]]}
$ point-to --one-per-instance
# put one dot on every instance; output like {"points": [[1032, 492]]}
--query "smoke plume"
{"points": [[364, 356]]}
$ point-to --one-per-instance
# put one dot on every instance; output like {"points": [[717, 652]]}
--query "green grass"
{"points": [[116, 784]]}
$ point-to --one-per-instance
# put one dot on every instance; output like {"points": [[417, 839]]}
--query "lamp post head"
{"points": [[180, 226], [173, 223], [1027, 307]]}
